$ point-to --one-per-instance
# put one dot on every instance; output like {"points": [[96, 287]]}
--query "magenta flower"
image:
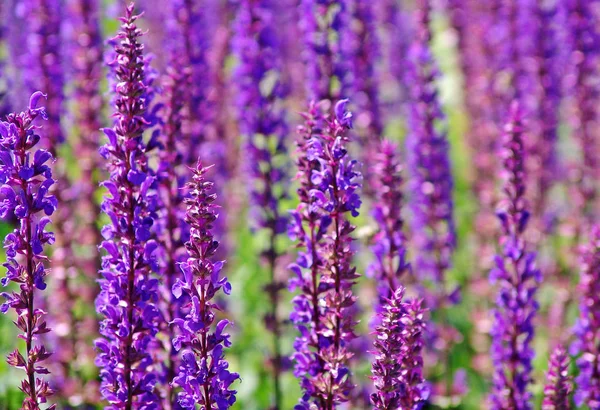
{"points": [[587, 328], [26, 181], [558, 383], [203, 373]]}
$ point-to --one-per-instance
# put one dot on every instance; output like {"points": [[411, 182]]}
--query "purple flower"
{"points": [[129, 293], [203, 374], [324, 24], [26, 179], [558, 382], [431, 180], [587, 328], [174, 232], [398, 365], [264, 128], [323, 271], [389, 243], [583, 88], [365, 49], [516, 278], [550, 73], [42, 65]]}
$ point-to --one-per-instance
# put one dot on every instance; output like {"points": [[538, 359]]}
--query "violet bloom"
{"points": [[398, 365], [324, 24], [558, 382], [128, 293], [203, 374], [26, 180], [323, 271], [429, 164], [585, 47], [174, 232], [42, 66], [550, 75], [587, 328], [264, 128], [389, 243], [516, 278]]}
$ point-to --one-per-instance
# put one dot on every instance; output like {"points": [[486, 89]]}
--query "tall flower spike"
{"points": [[429, 164], [587, 328], [517, 280], [584, 39], [26, 179], [398, 365], [174, 232], [389, 245], [128, 294], [558, 382], [323, 311], [324, 24], [264, 128], [203, 374]]}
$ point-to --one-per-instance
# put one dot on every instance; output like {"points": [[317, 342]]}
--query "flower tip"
{"points": [[344, 117], [35, 97]]}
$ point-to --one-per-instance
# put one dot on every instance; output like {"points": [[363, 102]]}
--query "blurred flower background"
{"points": [[476, 133]]}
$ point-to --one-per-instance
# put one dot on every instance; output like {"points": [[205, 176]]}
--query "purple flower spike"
{"points": [[587, 328], [264, 128], [517, 280], [203, 374], [26, 180], [558, 382], [323, 311], [584, 89], [129, 294], [174, 232], [389, 245], [429, 163], [42, 67], [398, 365], [324, 24]]}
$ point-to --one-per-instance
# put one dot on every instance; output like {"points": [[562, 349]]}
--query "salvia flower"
{"points": [[398, 365], [517, 280], [26, 180], [129, 294], [264, 128], [389, 243], [429, 164], [203, 374], [587, 328], [584, 90], [42, 68], [323, 310], [558, 382], [174, 232], [324, 24]]}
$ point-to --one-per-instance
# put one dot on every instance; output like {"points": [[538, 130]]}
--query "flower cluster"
{"points": [[323, 311], [389, 243], [517, 280], [203, 374], [431, 180], [587, 327], [558, 383], [26, 179], [264, 129], [173, 231], [324, 24], [398, 365], [129, 293]]}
